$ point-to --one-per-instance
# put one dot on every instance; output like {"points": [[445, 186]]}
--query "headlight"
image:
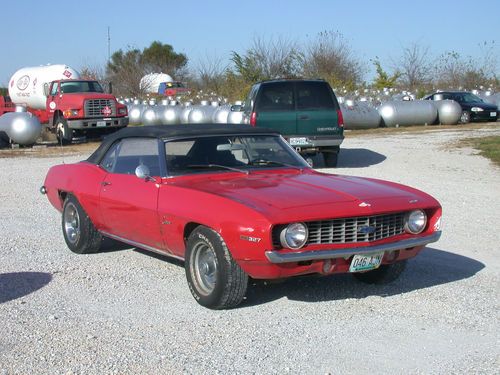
{"points": [[294, 236], [122, 111], [477, 109], [70, 113], [415, 222]]}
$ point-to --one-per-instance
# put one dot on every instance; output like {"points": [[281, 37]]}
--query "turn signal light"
{"points": [[253, 119], [340, 118]]}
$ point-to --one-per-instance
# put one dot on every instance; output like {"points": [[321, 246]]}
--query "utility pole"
{"points": [[109, 46]]}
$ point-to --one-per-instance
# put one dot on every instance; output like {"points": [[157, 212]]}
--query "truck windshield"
{"points": [[80, 86]]}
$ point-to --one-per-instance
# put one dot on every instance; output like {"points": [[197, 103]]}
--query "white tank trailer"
{"points": [[360, 116], [406, 113], [21, 127], [26, 86], [150, 83]]}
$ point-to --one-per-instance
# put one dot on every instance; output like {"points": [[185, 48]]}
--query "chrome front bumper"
{"points": [[279, 257]]}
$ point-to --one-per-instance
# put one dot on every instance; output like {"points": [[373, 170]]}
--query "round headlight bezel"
{"points": [[411, 220], [287, 234]]}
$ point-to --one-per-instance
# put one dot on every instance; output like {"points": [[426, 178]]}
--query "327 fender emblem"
{"points": [[250, 239]]}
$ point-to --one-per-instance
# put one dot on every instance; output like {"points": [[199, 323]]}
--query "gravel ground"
{"points": [[125, 311]]}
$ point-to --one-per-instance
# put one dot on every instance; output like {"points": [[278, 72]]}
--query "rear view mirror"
{"points": [[230, 147], [236, 108], [46, 89]]}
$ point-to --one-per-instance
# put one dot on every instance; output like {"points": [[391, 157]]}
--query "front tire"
{"points": [[79, 232], [215, 280], [385, 274], [63, 132], [465, 117]]}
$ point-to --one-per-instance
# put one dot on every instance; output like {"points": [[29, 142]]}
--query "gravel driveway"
{"points": [[125, 311]]}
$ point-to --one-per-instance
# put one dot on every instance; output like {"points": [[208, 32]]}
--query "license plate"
{"points": [[369, 262], [298, 141], [101, 123], [493, 114]]}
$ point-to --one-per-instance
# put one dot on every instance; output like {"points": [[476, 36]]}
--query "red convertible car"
{"points": [[236, 202]]}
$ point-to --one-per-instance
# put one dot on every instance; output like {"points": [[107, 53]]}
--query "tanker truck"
{"points": [[70, 107]]}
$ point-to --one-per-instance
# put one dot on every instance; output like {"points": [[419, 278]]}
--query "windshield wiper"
{"points": [[210, 166], [273, 162]]}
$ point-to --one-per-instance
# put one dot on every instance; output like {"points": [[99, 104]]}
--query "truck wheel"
{"points": [[63, 132], [216, 281], [330, 156], [385, 274], [79, 232], [465, 118]]}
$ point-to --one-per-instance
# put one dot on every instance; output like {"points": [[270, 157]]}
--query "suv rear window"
{"points": [[276, 97], [314, 95]]}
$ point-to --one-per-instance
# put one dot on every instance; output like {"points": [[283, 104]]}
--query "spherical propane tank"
{"points": [[360, 116], [135, 113], [406, 113], [26, 86], [148, 116], [169, 115], [21, 127], [449, 111], [221, 114], [150, 83], [235, 117]]}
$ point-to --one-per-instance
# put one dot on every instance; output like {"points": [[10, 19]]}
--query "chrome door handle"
{"points": [[105, 183], [303, 117]]}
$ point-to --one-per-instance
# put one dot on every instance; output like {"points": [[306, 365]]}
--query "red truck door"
{"points": [[52, 98]]}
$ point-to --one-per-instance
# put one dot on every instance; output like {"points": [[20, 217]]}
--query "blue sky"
{"points": [[75, 33]]}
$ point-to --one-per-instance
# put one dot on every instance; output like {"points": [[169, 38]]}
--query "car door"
{"points": [[275, 107], [316, 109], [129, 204]]}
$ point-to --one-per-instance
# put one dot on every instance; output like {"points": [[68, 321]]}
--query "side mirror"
{"points": [[236, 108], [46, 89], [142, 172]]}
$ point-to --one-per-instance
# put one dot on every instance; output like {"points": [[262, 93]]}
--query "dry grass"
{"points": [[489, 147]]}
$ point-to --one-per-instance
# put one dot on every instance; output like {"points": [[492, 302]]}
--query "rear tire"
{"points": [[79, 232], [63, 132], [216, 281], [385, 274], [330, 156]]}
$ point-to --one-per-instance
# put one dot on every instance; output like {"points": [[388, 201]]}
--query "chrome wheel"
{"points": [[204, 268], [72, 223]]}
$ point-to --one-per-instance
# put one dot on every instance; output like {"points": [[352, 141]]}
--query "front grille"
{"points": [[95, 107], [350, 230]]}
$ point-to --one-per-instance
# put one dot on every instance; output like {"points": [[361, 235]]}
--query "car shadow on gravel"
{"points": [[358, 158], [19, 284], [430, 268]]}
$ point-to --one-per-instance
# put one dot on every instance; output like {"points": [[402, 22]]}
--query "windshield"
{"points": [[241, 153], [80, 86]]}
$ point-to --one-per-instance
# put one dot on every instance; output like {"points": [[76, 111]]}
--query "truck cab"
{"points": [[76, 108]]}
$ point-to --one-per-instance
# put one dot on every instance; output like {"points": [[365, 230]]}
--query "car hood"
{"points": [[485, 106], [310, 194]]}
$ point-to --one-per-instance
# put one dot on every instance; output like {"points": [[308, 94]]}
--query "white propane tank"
{"points": [[150, 83], [26, 85]]}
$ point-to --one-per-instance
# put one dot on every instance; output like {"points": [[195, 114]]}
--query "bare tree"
{"points": [[210, 73], [414, 66], [331, 57], [269, 58]]}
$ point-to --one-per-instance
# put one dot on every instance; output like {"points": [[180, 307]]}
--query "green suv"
{"points": [[305, 112]]}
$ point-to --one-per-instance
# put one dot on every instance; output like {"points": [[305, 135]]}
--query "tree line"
{"points": [[328, 55]]}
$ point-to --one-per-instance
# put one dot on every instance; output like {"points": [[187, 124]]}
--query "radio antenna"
{"points": [[109, 46]]}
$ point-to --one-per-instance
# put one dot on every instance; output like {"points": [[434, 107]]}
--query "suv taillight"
{"points": [[340, 118], [253, 119]]}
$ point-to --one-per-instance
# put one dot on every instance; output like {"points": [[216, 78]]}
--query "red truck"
{"points": [[70, 107]]}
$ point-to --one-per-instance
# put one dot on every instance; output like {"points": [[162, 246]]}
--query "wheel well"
{"points": [[62, 196], [188, 229]]}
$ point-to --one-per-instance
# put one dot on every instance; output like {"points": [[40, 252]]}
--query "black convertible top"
{"points": [[173, 131]]}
